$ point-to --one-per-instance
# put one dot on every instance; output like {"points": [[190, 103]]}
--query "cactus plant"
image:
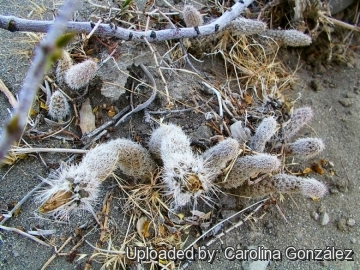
{"points": [[58, 107], [79, 75]]}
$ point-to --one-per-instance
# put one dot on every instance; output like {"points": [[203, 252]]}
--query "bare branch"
{"points": [[14, 24]]}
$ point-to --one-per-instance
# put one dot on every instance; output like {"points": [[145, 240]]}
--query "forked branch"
{"points": [[14, 24]]}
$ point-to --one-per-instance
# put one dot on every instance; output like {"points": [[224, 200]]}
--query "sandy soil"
{"points": [[332, 91]]}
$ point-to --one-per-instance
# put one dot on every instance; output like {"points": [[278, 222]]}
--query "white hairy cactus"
{"points": [[243, 26], [247, 166], [192, 16], [72, 189], [58, 107], [80, 74], [263, 134], [64, 63], [285, 183], [76, 187], [305, 148], [184, 173], [300, 117], [176, 141], [293, 38], [130, 157], [239, 132], [218, 157]]}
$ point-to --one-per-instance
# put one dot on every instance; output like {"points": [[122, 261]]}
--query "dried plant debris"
{"points": [[87, 118]]}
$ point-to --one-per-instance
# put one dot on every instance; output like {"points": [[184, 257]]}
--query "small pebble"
{"points": [[353, 240], [321, 209], [324, 219], [346, 102], [341, 225], [351, 222], [314, 215], [315, 85], [269, 225], [334, 191]]}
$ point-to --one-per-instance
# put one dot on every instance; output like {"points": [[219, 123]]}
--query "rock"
{"points": [[269, 225], [255, 265], [334, 190], [346, 102], [341, 225], [321, 209], [203, 132], [351, 222], [324, 219], [353, 240], [315, 85], [314, 215]]}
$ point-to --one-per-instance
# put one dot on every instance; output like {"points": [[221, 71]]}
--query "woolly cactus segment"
{"points": [[174, 138], [59, 107], [130, 157], [134, 160], [285, 183], [218, 157], [184, 174], [239, 132], [293, 38], [305, 148], [80, 74], [300, 118], [192, 16], [76, 187], [64, 63], [243, 26], [263, 134], [72, 189], [186, 177], [248, 166]]}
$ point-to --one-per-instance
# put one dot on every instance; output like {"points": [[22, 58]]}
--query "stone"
{"points": [[324, 219], [341, 225], [314, 215], [351, 222]]}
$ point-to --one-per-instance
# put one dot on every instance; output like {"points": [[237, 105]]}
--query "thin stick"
{"points": [[12, 23], [86, 139], [15, 230], [130, 11], [218, 236], [19, 204], [147, 102], [8, 94], [56, 254], [41, 150], [221, 222], [221, 113], [15, 126]]}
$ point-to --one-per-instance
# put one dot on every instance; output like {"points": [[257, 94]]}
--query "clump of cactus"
{"points": [[77, 187], [262, 163], [188, 176]]}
